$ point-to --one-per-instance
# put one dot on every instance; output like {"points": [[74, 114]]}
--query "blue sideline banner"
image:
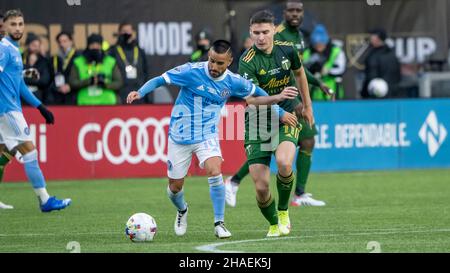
{"points": [[381, 135]]}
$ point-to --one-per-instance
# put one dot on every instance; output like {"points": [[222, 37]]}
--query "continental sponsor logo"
{"points": [[283, 43], [250, 54], [274, 71], [274, 83]]}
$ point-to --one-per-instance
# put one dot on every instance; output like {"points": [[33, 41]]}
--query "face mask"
{"points": [[203, 48], [94, 55], [123, 38]]}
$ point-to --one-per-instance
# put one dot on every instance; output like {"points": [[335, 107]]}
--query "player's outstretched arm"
{"points": [[145, 89], [31, 99], [260, 97]]}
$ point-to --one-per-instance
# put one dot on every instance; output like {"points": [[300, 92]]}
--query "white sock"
{"points": [[42, 195]]}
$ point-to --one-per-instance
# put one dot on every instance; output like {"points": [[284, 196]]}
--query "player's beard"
{"points": [[16, 36], [218, 74]]}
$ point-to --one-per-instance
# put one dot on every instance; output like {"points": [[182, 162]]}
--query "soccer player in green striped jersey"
{"points": [[288, 31], [273, 66]]}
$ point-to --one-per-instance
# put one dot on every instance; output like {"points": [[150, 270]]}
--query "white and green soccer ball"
{"points": [[141, 227]]}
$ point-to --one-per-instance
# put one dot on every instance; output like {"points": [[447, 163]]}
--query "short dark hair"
{"points": [[12, 13], [68, 34], [380, 32], [261, 17], [293, 1], [124, 23], [221, 46]]}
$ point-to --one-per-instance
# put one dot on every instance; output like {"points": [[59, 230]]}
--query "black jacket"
{"points": [[141, 65], [57, 67], [39, 87], [381, 62]]}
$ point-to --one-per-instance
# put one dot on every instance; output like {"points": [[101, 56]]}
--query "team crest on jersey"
{"points": [[26, 131], [225, 93], [285, 64]]}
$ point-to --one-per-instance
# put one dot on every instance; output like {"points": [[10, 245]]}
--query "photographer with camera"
{"points": [[95, 75]]}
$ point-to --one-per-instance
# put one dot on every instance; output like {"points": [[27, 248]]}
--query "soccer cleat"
{"points": [[306, 200], [181, 222], [274, 231], [221, 231], [5, 206], [55, 204], [230, 192], [284, 223]]}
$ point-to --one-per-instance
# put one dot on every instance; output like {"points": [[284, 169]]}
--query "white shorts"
{"points": [[179, 156], [14, 129]]}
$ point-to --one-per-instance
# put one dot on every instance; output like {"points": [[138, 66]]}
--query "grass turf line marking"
{"points": [[213, 247]]}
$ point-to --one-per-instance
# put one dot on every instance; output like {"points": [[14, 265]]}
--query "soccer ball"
{"points": [[141, 227], [378, 87]]}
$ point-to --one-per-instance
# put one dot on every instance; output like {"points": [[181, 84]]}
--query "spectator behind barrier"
{"points": [[36, 68], [326, 61], [95, 76], [61, 65], [381, 63], [203, 42], [2, 29], [131, 61]]}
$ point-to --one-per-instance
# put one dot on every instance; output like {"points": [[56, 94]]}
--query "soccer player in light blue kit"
{"points": [[205, 87], [14, 131]]}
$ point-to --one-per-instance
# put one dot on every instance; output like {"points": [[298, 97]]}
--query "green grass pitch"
{"points": [[392, 211]]}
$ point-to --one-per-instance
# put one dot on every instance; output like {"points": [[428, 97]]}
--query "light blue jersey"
{"points": [[12, 85], [196, 114]]}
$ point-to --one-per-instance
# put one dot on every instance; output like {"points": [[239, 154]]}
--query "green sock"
{"points": [[303, 165], [284, 186], [269, 210], [4, 159], [243, 171]]}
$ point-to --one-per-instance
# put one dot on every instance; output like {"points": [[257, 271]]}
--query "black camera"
{"points": [[101, 80]]}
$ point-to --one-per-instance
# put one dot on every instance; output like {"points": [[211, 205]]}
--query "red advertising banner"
{"points": [[117, 142]]}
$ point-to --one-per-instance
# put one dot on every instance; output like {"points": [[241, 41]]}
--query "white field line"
{"points": [[214, 247]]}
